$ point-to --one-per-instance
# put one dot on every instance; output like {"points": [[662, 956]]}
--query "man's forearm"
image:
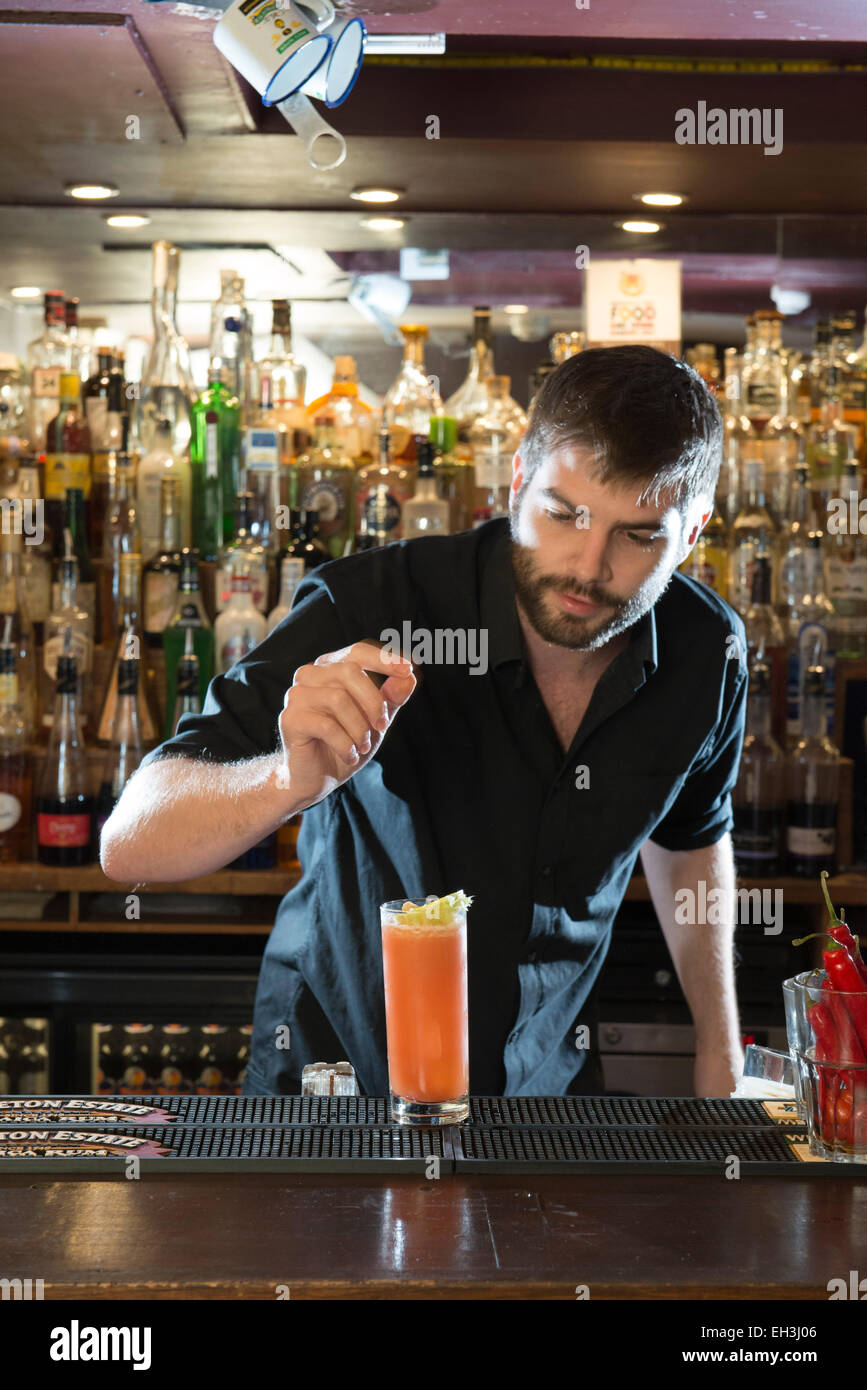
{"points": [[703, 953], [180, 817]]}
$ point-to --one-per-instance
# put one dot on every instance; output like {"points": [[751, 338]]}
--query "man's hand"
{"points": [[716, 1075]]}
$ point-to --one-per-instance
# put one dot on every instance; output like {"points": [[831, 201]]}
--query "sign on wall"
{"points": [[633, 301]]}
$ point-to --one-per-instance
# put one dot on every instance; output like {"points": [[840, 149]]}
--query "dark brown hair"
{"points": [[647, 417]]}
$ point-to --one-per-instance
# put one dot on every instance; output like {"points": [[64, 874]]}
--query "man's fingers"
{"points": [[315, 724], [347, 675]]}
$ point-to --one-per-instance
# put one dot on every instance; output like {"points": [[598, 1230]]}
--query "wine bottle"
{"points": [[16, 774], [189, 613], [125, 751], [64, 805], [188, 701]]}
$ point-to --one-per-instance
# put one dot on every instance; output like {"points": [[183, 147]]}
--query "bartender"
{"points": [[581, 706]]}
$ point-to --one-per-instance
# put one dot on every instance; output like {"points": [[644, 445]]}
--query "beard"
{"points": [[571, 630]]}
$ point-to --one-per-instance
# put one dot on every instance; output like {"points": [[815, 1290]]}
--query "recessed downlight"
{"points": [[643, 228], [25, 292], [516, 309], [383, 224], [376, 194], [91, 190], [127, 219], [661, 200]]}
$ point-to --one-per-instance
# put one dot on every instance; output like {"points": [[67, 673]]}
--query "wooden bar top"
{"points": [[473, 1236]]}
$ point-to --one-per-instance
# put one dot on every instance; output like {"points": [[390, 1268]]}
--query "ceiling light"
{"points": [[127, 219], [91, 190], [25, 292], [634, 226], [405, 43], [661, 200], [376, 195], [383, 224], [515, 309], [790, 301]]}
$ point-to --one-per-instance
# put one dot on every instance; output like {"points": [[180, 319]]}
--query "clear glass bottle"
{"points": [[240, 627], [813, 787], [780, 451], [323, 480], [455, 473], [342, 410], [125, 751], [162, 574], [765, 632], [79, 354], [69, 617], [13, 607], [808, 626], [750, 335], [412, 398], [158, 463], [166, 390], [187, 701], [471, 398], [760, 793], [291, 574], [243, 549], [64, 805], [494, 437], [763, 374], [215, 464], [827, 438], [281, 384], [753, 526], [231, 344], [121, 536], [15, 441], [382, 490], [189, 613], [846, 570], [16, 770], [129, 642], [792, 540], [738, 439], [35, 565], [47, 356], [426, 513]]}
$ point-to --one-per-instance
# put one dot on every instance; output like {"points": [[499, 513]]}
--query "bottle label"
{"points": [[810, 649], [9, 688], [326, 498], [160, 597], [811, 842], [212, 452], [45, 383], [62, 831], [10, 811], [847, 578], [381, 510], [63, 471], [80, 648], [764, 394], [261, 450], [493, 469]]}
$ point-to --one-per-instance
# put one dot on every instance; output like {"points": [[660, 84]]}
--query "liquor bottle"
{"points": [[765, 632], [738, 440], [471, 398], [78, 354], [304, 544], [412, 398], [15, 440], [808, 624], [16, 772], [187, 701], [846, 569], [494, 437], [138, 1060], [215, 465], [827, 439], [158, 463], [30, 1067], [850, 374], [708, 561], [175, 1061], [291, 574], [231, 344], [564, 345], [343, 410], [858, 370], [780, 450], [243, 548], [324, 481], [263, 478], [813, 786], [381, 491], [13, 607], [792, 540], [121, 536], [103, 400], [129, 642], [69, 627], [426, 514], [760, 793], [282, 381], [67, 455], [162, 573], [63, 804], [752, 525], [455, 473], [35, 559], [125, 750], [107, 1071], [703, 360], [166, 390], [240, 627], [47, 356], [763, 374], [189, 613], [750, 334], [210, 1077], [818, 367]]}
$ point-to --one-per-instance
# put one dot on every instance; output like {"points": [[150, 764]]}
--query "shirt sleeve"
{"points": [[702, 813], [239, 718]]}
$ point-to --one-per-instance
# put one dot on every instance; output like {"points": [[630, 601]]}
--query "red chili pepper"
{"points": [[822, 1023], [850, 1015], [841, 932]]}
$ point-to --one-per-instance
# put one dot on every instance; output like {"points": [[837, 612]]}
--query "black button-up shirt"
{"points": [[471, 789]]}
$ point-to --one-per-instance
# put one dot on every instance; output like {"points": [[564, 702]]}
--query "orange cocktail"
{"points": [[424, 961]]}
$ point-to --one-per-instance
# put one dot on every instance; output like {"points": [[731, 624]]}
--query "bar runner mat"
{"points": [[573, 1134]]}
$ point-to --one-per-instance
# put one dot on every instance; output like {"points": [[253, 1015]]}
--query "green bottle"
{"points": [[215, 464], [189, 613]]}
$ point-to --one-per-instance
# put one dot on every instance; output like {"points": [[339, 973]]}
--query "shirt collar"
{"points": [[498, 614]]}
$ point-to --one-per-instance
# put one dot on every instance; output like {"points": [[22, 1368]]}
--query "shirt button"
{"points": [[547, 871]]}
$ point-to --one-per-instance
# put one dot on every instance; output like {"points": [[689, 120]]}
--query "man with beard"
{"points": [[600, 718]]}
